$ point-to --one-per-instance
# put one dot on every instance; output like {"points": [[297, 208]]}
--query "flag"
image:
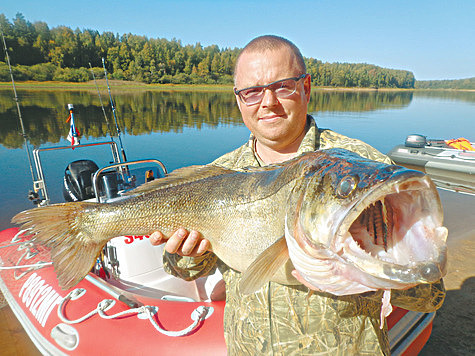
{"points": [[73, 135]]}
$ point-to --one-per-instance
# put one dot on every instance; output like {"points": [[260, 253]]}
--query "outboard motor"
{"points": [[110, 184], [77, 183], [415, 141]]}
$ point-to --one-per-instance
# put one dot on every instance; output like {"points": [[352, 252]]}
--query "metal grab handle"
{"points": [[95, 178]]}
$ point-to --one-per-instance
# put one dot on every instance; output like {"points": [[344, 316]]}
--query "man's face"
{"points": [[275, 122]]}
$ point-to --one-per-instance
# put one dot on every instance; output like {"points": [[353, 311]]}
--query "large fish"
{"points": [[349, 224]]}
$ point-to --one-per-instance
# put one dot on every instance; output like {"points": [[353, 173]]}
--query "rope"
{"points": [[17, 235], [12, 244], [74, 294], [28, 254], [197, 315], [202, 312], [148, 310], [17, 240], [35, 265], [453, 156]]}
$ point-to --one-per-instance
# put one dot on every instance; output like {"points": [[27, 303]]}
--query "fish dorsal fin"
{"points": [[181, 176], [264, 266]]}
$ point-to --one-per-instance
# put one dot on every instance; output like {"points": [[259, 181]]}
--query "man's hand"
{"points": [[183, 242]]}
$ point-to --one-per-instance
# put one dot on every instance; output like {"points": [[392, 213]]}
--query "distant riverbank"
{"points": [[130, 85], [114, 84]]}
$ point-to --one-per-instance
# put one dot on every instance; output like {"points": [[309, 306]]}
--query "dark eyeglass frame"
{"points": [[264, 87]]}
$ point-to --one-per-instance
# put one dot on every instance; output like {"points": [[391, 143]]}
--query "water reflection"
{"points": [[452, 95], [139, 112], [183, 128]]}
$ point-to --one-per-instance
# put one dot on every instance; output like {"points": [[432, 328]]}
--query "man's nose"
{"points": [[269, 99]]}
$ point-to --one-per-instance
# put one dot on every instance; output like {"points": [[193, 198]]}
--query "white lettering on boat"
{"points": [[40, 298]]}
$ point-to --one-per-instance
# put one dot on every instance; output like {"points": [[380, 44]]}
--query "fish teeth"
{"points": [[370, 226], [388, 213], [378, 223]]}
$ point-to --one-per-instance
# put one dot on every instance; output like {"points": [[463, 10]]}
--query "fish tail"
{"points": [[58, 227]]}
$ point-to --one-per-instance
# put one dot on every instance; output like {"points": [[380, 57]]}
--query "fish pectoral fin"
{"points": [[264, 267]]}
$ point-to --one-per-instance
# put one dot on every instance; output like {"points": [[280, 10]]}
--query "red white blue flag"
{"points": [[73, 135]]}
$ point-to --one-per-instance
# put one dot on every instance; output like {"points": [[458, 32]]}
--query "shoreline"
{"points": [[128, 85]]}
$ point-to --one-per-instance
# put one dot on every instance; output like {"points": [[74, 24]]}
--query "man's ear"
{"points": [[307, 86], [238, 102]]}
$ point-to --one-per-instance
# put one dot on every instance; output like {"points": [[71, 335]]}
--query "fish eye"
{"points": [[346, 186]]}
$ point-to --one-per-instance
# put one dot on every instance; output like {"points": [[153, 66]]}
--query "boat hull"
{"points": [[449, 168], [42, 308], [35, 298]]}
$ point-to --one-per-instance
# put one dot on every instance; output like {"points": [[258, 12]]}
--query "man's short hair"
{"points": [[272, 43]]}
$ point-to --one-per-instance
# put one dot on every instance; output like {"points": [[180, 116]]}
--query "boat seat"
{"points": [[137, 266]]}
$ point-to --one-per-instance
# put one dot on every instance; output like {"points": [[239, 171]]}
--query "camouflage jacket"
{"points": [[291, 320]]}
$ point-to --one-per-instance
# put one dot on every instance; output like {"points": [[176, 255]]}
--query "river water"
{"points": [[182, 128]]}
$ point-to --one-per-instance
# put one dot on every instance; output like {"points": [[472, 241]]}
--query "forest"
{"points": [[467, 83], [40, 53]]}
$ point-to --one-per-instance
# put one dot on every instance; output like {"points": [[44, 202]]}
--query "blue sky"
{"points": [[435, 39]]}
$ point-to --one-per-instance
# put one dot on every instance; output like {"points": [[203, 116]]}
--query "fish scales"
{"points": [[234, 211]]}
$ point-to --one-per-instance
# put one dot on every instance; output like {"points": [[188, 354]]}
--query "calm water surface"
{"points": [[185, 128]]}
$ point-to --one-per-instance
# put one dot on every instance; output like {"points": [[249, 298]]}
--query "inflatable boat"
{"points": [[449, 167]]}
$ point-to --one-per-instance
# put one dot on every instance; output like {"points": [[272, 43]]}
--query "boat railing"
{"points": [[99, 172], [39, 184]]}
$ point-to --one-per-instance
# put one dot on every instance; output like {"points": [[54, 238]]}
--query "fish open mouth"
{"points": [[395, 232]]}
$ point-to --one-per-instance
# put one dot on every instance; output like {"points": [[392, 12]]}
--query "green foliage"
{"points": [[46, 71], [468, 83], [360, 75], [155, 60], [4, 73], [42, 72], [71, 74]]}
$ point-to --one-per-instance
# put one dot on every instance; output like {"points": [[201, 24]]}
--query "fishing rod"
{"points": [[113, 111], [102, 104], [31, 195]]}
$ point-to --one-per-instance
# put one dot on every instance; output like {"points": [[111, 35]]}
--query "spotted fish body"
{"points": [[321, 209]]}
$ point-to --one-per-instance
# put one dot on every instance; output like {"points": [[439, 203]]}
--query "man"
{"points": [[272, 91]]}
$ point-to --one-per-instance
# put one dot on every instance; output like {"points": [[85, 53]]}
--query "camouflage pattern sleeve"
{"points": [[331, 139], [424, 298], [241, 157], [189, 268]]}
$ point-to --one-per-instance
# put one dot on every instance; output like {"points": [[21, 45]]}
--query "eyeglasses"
{"points": [[282, 88]]}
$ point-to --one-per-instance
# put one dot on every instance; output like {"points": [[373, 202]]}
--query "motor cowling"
{"points": [[77, 182], [416, 141]]}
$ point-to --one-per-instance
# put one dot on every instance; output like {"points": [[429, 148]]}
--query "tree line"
{"points": [[467, 83], [62, 54]]}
